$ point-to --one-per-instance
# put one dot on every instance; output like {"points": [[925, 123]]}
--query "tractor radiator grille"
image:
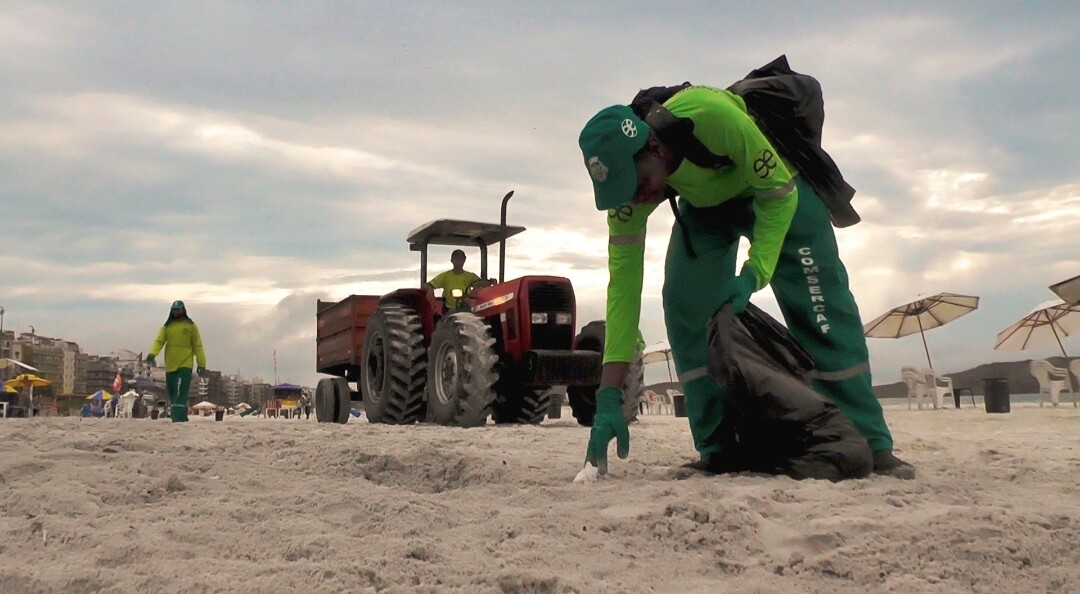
{"points": [[551, 298]]}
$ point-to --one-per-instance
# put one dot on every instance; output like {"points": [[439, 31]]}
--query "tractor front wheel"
{"points": [[461, 371]]}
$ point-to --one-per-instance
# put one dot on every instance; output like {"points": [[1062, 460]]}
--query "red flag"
{"points": [[117, 383]]}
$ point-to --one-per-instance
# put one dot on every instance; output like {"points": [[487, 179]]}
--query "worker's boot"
{"points": [[889, 465]]}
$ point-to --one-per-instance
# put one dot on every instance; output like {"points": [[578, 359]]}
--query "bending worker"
{"points": [[752, 194], [180, 338], [455, 280]]}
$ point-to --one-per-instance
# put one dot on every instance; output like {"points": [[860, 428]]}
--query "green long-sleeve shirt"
{"points": [[723, 125], [182, 343]]}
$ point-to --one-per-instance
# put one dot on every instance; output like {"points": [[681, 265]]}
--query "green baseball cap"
{"points": [[178, 305], [609, 142]]}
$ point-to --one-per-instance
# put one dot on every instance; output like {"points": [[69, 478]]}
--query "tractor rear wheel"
{"points": [[461, 371], [324, 400], [342, 400], [395, 366], [583, 398], [521, 404]]}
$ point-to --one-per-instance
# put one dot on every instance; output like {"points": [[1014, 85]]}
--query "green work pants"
{"points": [[811, 286], [178, 383]]}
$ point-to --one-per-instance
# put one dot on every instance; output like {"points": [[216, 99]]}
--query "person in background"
{"points": [[180, 338], [454, 280]]}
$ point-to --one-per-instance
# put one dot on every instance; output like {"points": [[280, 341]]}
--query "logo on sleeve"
{"points": [[628, 128], [764, 164], [623, 213]]}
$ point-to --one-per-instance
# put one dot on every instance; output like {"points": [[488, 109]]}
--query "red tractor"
{"points": [[497, 355]]}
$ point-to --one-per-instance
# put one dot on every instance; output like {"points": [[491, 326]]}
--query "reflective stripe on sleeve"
{"points": [[777, 193], [626, 239]]}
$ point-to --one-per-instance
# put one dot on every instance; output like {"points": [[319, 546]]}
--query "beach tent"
{"points": [[205, 407]]}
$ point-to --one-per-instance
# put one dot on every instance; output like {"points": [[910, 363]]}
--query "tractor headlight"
{"points": [[539, 318], [563, 319], [457, 292]]}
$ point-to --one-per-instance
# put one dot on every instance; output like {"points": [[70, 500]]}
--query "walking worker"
{"points": [[180, 338], [750, 190]]}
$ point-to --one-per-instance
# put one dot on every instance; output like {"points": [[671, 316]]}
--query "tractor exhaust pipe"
{"points": [[502, 242]]}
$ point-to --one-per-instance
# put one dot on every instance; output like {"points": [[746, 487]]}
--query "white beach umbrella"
{"points": [[205, 404], [1045, 325], [921, 315], [656, 353]]}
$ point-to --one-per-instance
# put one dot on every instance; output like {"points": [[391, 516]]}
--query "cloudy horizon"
{"points": [[252, 158]]}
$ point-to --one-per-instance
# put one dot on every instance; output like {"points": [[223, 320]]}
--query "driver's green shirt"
{"points": [[722, 124], [450, 280]]}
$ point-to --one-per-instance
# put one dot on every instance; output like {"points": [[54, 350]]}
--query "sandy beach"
{"points": [[267, 505]]}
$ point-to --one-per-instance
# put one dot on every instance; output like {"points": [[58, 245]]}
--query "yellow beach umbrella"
{"points": [[102, 394], [27, 379], [10, 390]]}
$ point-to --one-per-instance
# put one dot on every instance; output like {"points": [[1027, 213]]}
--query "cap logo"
{"points": [[597, 169], [628, 128]]}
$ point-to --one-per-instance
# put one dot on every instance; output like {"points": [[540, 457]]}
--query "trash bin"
{"points": [[219, 414], [996, 394], [678, 402]]}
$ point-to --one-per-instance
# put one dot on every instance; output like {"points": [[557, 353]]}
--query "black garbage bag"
{"points": [[774, 421]]}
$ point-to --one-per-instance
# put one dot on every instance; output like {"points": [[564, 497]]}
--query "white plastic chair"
{"points": [[651, 402], [939, 386], [917, 389], [663, 401], [125, 405], [1074, 367], [1052, 380]]}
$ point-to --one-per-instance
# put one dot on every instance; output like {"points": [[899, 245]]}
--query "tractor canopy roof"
{"points": [[464, 233]]}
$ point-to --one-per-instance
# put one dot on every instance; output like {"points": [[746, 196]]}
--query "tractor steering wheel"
{"points": [[479, 283]]}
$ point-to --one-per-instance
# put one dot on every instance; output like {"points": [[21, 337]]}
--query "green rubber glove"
{"points": [[150, 360], [738, 291], [608, 424], [201, 371]]}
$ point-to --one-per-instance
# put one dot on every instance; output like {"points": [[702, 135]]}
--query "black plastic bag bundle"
{"points": [[774, 421]]}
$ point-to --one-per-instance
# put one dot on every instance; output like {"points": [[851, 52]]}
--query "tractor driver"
{"points": [[453, 282]]}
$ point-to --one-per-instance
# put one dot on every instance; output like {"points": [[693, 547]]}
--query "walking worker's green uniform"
{"points": [[180, 338], [792, 247]]}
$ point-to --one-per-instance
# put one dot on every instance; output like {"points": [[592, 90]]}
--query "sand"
{"points": [[268, 505]]}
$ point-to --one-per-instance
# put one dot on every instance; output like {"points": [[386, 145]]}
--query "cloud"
{"points": [[252, 161]]}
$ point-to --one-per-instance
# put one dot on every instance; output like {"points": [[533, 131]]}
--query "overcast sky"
{"points": [[251, 158]]}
